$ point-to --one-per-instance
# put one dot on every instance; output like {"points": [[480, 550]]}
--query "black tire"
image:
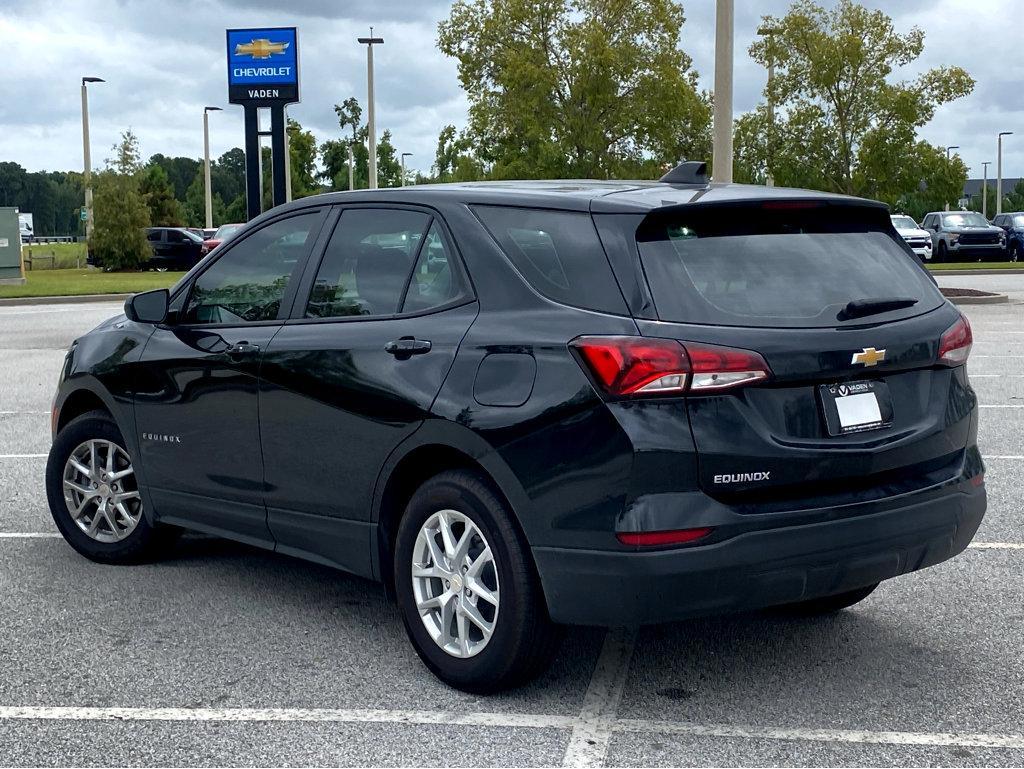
{"points": [[524, 639], [1015, 252], [143, 543], [828, 604], [941, 253]]}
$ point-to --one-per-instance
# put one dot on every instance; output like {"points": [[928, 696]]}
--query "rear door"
{"points": [[355, 372], [856, 403]]}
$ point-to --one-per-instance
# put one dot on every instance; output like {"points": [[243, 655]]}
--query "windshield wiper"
{"points": [[860, 308]]}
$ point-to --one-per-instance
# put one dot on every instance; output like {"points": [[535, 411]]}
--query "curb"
{"points": [[81, 299], [1003, 271], [993, 299]]}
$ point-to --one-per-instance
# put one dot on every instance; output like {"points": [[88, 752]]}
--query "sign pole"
{"points": [[253, 193], [278, 152]]}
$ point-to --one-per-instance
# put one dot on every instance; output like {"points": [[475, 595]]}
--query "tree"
{"points": [[453, 160], [843, 124], [195, 203], [120, 210], [350, 114], [180, 170], [576, 88], [302, 149], [389, 169], [164, 209]]}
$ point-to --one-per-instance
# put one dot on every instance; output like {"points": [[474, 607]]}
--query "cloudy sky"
{"points": [[163, 61]]}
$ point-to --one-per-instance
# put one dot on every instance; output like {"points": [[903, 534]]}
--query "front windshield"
{"points": [[224, 230], [964, 220], [1018, 221], [904, 223]]}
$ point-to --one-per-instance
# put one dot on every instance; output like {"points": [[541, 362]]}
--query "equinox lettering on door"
{"points": [[743, 477]]}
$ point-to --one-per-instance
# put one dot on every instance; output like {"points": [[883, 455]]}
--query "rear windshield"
{"points": [[778, 267]]}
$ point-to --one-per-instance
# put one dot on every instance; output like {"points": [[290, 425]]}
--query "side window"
{"points": [[248, 282], [174, 236], [435, 279], [367, 263], [559, 254], [153, 236]]}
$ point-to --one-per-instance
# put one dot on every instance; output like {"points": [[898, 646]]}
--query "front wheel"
{"points": [[827, 604], [94, 494], [1015, 252], [467, 589], [941, 253]]}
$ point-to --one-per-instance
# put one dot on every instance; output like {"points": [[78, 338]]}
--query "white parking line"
{"points": [[1003, 456], [29, 534], [824, 735], [588, 744], [77, 308], [23, 456], [7, 413], [997, 545], [999, 406]]}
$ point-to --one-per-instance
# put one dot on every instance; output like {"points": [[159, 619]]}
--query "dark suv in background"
{"points": [[1013, 225], [173, 248], [531, 403], [962, 236]]}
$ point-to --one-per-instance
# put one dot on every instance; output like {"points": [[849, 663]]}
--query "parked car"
{"points": [[537, 403], [959, 236], [1013, 226], [208, 232], [919, 240], [173, 248], [223, 232]]}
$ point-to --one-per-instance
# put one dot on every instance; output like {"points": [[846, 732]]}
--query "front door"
{"points": [[354, 373], [197, 396]]}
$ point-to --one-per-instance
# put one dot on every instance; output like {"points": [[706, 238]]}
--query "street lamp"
{"points": [[404, 156], [953, 147], [87, 176], [984, 188], [999, 171], [769, 179], [369, 42], [206, 163], [722, 148]]}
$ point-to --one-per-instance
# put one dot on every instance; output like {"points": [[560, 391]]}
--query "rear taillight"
{"points": [[629, 365], [661, 538], [955, 343]]}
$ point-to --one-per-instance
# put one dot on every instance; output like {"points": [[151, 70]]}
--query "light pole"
{"points": [[984, 188], [999, 171], [369, 42], [87, 176], [722, 160], [351, 169], [953, 147], [206, 163], [404, 156], [769, 179]]}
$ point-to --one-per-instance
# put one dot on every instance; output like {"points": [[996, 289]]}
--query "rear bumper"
{"points": [[757, 569]]}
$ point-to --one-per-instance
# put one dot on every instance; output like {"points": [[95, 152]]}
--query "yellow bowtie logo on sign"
{"points": [[869, 356], [260, 48]]}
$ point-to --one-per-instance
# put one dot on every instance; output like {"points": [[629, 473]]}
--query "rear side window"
{"points": [[779, 267], [559, 254]]}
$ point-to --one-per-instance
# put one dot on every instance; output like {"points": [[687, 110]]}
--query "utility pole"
{"points": [[404, 156], [948, 150], [999, 171], [87, 155], [206, 164], [371, 126], [722, 160], [769, 180], [351, 169], [984, 188]]}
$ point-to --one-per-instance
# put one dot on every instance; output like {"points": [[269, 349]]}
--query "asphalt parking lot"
{"points": [[226, 655]]}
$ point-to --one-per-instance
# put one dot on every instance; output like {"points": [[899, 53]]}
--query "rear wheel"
{"points": [[94, 495], [942, 254], [1015, 252], [467, 589], [827, 604]]}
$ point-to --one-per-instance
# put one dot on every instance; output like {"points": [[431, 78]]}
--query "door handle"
{"points": [[407, 346], [242, 348]]}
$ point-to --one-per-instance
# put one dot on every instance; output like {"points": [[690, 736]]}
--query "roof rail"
{"points": [[687, 172]]}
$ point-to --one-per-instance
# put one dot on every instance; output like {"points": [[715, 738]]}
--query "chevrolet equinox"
{"points": [[528, 404]]}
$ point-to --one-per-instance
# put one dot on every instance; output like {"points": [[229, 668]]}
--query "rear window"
{"points": [[559, 254], [778, 267]]}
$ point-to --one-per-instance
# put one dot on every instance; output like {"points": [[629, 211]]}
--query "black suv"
{"points": [[173, 248], [532, 403]]}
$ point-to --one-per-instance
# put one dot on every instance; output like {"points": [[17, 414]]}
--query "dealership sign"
{"points": [[263, 66]]}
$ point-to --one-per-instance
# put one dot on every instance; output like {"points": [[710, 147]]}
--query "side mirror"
{"points": [[148, 307]]}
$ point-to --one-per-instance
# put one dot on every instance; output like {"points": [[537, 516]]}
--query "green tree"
{"points": [[195, 203], [843, 123], [576, 88], [302, 151], [164, 209], [389, 168], [180, 170], [453, 160], [120, 211]]}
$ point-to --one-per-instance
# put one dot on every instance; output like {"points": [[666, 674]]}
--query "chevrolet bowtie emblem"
{"points": [[260, 48], [869, 356]]}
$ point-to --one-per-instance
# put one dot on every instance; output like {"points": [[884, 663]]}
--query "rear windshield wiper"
{"points": [[859, 308]]}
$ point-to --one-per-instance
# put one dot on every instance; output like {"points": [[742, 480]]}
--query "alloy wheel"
{"points": [[101, 492], [455, 583]]}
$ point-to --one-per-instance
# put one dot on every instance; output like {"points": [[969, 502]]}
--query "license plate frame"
{"points": [[856, 407]]}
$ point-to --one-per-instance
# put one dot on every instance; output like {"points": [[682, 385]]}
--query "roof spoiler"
{"points": [[687, 172]]}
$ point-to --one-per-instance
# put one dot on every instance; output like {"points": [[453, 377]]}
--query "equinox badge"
{"points": [[869, 356]]}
